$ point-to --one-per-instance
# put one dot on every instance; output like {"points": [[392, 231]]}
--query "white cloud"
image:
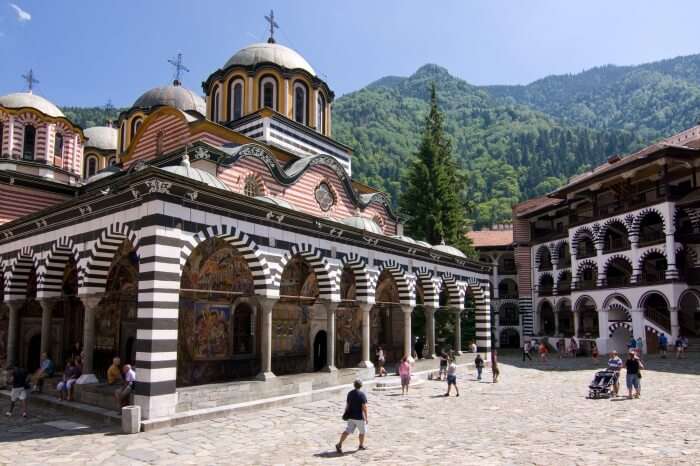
{"points": [[22, 15]]}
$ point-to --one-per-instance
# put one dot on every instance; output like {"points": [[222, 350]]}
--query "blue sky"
{"points": [[85, 52]]}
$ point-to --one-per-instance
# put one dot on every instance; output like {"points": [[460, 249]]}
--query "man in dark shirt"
{"points": [[633, 366], [356, 415], [19, 389]]}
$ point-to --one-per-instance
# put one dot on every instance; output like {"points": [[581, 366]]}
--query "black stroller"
{"points": [[603, 383]]}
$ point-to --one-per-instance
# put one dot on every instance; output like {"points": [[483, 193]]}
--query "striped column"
{"points": [[156, 334], [483, 321], [13, 333], [525, 305]]}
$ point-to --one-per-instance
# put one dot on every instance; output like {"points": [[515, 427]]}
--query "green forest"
{"points": [[511, 142]]}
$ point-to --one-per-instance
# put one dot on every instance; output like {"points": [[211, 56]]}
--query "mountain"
{"points": [[507, 150], [653, 99]]}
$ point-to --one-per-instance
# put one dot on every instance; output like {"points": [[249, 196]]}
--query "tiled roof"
{"points": [[531, 205], [491, 238]]}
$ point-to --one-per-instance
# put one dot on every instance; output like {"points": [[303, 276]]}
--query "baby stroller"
{"points": [[602, 384]]}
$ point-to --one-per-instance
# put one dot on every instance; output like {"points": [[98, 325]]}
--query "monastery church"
{"points": [[214, 239]]}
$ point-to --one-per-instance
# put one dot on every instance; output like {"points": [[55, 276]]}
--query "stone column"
{"points": [[330, 337], [634, 253], [90, 304], [556, 323], [576, 316], [13, 332], [603, 323], [407, 330], [430, 332], [458, 332], [366, 308], [671, 270], [266, 339], [46, 315], [675, 326], [600, 280]]}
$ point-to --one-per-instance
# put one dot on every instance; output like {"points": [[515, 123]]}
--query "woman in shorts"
{"points": [[405, 374], [452, 377]]}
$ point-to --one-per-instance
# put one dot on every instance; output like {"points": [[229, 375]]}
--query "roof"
{"points": [[363, 223], [535, 204], [186, 170], [491, 238], [266, 52], [101, 137], [31, 100], [449, 250], [173, 95]]}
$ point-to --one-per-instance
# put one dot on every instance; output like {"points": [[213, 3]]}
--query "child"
{"points": [[594, 351], [479, 363]]}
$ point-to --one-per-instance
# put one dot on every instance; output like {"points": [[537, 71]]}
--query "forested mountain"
{"points": [[512, 142], [86, 117], [507, 150]]}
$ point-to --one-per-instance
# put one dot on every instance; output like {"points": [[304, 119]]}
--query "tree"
{"points": [[431, 199]]}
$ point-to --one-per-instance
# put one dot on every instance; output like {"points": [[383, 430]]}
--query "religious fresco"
{"points": [[348, 322], [210, 346], [382, 317]]}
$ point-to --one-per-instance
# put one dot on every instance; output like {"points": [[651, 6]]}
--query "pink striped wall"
{"points": [[175, 134], [18, 201]]}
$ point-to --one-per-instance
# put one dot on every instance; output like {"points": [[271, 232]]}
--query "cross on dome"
{"points": [[29, 77], [179, 68], [273, 25]]}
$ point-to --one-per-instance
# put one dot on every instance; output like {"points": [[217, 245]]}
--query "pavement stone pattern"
{"points": [[537, 414]]}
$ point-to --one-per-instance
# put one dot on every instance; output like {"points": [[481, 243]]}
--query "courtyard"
{"points": [[537, 414]]}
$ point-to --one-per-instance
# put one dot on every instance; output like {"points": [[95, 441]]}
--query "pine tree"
{"points": [[431, 198]]}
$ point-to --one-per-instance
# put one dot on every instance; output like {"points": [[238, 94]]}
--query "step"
{"points": [[394, 383], [72, 407]]}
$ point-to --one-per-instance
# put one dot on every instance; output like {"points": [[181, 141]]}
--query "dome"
{"points": [[184, 169], [449, 250], [266, 52], [28, 99], [274, 200], [173, 95], [363, 223], [104, 173], [101, 137]]}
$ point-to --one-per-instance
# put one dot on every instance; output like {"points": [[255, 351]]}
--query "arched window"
{"points": [[251, 188], [215, 105], [122, 137], [90, 167], [135, 125], [29, 142], [268, 93], [300, 110], [235, 99], [58, 146], [112, 161], [321, 113]]}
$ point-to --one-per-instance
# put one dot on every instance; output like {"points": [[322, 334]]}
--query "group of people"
{"points": [[680, 345], [633, 365], [23, 383]]}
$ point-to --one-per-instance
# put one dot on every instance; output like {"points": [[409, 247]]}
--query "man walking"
{"points": [[356, 415], [20, 387], [526, 351], [663, 345]]}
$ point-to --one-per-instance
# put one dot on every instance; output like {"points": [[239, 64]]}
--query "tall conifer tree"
{"points": [[431, 199]]}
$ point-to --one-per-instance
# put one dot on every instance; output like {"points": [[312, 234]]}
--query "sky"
{"points": [[88, 52]]}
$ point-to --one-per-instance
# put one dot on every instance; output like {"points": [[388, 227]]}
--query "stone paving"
{"points": [[537, 414]]}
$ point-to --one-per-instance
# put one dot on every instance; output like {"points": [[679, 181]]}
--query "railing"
{"points": [[653, 277], [585, 253], [659, 317], [587, 285], [564, 289], [545, 291], [615, 247], [618, 281], [508, 295], [508, 320]]}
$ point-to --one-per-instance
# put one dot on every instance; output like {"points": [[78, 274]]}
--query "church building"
{"points": [[212, 239]]}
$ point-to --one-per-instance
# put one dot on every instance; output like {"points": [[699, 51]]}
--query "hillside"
{"points": [[653, 99], [507, 150]]}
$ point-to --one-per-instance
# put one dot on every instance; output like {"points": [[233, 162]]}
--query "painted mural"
{"points": [[215, 341]]}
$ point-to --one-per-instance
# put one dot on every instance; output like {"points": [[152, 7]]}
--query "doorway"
{"points": [[320, 350], [33, 353]]}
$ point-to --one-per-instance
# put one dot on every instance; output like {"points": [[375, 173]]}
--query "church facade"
{"points": [[211, 239]]}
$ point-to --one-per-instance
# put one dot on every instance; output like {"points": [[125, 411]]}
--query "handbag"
{"points": [[346, 415]]}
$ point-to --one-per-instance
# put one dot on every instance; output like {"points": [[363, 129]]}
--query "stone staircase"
{"points": [[694, 345]]}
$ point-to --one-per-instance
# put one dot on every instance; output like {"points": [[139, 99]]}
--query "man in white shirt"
{"points": [[123, 393]]}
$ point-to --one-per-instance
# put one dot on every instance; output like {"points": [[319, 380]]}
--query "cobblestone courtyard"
{"points": [[537, 414]]}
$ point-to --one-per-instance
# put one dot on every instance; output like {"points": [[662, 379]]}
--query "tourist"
{"points": [[356, 415], [633, 366], [639, 345], [561, 348], [452, 377], [20, 386], [573, 347], [405, 374], [46, 370], [615, 365], [419, 347], [114, 373], [534, 346], [472, 347], [495, 371], [684, 344], [124, 392], [479, 363], [526, 351], [381, 360], [663, 345], [443, 366], [632, 344], [71, 373], [679, 347], [594, 351], [75, 351], [544, 351]]}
